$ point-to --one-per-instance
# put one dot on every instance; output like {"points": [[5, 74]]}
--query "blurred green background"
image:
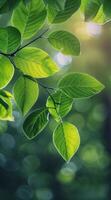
{"points": [[33, 170]]}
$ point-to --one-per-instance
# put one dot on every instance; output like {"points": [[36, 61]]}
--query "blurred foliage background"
{"points": [[33, 170]]}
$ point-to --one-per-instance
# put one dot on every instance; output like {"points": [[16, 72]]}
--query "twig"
{"points": [[46, 87], [35, 39]]}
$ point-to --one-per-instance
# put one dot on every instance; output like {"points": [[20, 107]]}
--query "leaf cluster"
{"points": [[29, 17]]}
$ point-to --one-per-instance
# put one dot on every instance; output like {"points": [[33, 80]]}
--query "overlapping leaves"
{"points": [[59, 12], [97, 10], [65, 42], [33, 63], [29, 18], [5, 106], [10, 39]]}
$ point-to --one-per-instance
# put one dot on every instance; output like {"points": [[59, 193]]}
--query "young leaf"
{"points": [[29, 18], [6, 71], [5, 106], [78, 85], [35, 123], [10, 39], [66, 140], [56, 14], [61, 105], [26, 93], [35, 62], [65, 42]]}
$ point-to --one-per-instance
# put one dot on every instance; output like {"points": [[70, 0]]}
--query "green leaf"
{"points": [[6, 71], [10, 39], [59, 105], [101, 18], [8, 5], [66, 140], [35, 123], [2, 102], [107, 8], [2, 2], [5, 106], [78, 85], [90, 8], [58, 14], [65, 42], [29, 18], [5, 93], [35, 62], [26, 93]]}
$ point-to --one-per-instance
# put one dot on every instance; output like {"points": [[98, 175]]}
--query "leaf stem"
{"points": [[55, 105]]}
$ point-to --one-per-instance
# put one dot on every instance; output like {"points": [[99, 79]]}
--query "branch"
{"points": [[46, 87], [35, 39]]}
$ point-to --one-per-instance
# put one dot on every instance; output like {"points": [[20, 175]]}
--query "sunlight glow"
{"points": [[93, 29]]}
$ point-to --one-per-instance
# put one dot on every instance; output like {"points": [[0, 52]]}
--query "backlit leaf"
{"points": [[78, 85], [61, 105], [101, 18], [35, 123], [5, 106], [65, 42], [35, 62], [66, 140], [6, 71], [26, 93], [29, 18]]}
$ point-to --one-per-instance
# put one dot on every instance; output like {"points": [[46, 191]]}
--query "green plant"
{"points": [[28, 17]]}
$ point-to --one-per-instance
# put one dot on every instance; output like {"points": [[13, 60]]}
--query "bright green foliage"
{"points": [[29, 18], [59, 105], [10, 39], [78, 85], [35, 123], [26, 93], [35, 62], [65, 42], [6, 71], [5, 110], [66, 139], [56, 14]]}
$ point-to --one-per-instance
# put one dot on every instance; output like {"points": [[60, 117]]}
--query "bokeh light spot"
{"points": [[63, 60]]}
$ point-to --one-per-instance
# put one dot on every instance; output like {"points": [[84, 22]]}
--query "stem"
{"points": [[46, 87], [54, 105], [35, 39]]}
